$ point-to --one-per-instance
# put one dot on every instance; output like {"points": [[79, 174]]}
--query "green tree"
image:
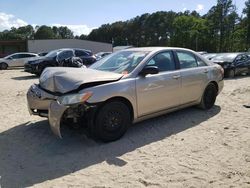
{"points": [[246, 11], [62, 32], [44, 32]]}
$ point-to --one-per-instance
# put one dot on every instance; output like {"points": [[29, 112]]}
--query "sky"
{"points": [[81, 16]]}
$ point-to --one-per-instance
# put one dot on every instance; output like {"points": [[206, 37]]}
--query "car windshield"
{"points": [[7, 57], [53, 53], [122, 62]]}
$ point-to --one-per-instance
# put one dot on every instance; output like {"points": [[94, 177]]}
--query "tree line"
{"points": [[221, 29]]}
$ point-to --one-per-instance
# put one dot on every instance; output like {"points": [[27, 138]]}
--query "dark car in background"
{"points": [[57, 58], [233, 63], [41, 54], [101, 55]]}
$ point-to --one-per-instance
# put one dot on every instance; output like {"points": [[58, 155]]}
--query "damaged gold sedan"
{"points": [[126, 87]]}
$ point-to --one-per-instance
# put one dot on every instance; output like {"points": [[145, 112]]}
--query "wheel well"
{"points": [[4, 63], [125, 101]]}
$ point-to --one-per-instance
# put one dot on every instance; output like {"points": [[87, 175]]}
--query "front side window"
{"points": [[123, 62], [164, 61], [15, 56], [65, 55], [187, 60]]}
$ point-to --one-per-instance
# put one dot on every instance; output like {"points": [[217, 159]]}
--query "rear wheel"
{"points": [[209, 97], [3, 66], [112, 121]]}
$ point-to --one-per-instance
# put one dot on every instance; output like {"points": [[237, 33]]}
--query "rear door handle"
{"points": [[176, 77]]}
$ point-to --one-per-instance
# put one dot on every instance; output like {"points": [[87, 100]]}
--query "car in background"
{"points": [[16, 60], [209, 56], [101, 55], [56, 58], [126, 87], [233, 63], [202, 52], [41, 54]]}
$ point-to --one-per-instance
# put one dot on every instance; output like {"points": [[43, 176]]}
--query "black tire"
{"points": [[111, 121], [40, 70], [209, 97], [3, 66], [231, 73]]}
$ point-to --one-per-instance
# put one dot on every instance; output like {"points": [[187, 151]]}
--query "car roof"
{"points": [[24, 53], [62, 49], [152, 49]]}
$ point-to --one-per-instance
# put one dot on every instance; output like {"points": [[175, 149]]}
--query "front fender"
{"points": [[56, 112]]}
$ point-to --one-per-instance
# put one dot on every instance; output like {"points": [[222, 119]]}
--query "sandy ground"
{"points": [[189, 148]]}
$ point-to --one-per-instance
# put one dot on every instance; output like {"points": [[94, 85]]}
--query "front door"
{"points": [[160, 91]]}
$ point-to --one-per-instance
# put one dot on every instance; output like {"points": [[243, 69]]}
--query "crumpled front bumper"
{"points": [[45, 105], [56, 112]]}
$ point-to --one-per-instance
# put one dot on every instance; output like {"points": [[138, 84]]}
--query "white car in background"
{"points": [[16, 60]]}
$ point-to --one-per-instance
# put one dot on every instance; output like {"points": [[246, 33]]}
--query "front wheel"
{"points": [[3, 66], [209, 97], [112, 121], [231, 73]]}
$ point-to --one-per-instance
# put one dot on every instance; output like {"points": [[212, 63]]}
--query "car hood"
{"points": [[2, 59], [221, 62], [37, 60], [63, 80]]}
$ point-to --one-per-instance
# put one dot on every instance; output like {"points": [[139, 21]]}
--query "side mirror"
{"points": [[10, 58], [149, 70]]}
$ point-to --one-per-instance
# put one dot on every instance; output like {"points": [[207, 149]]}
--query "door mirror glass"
{"points": [[149, 70]]}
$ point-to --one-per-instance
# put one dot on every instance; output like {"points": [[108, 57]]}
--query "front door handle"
{"points": [[176, 77], [205, 71]]}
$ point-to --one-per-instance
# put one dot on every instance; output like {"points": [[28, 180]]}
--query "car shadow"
{"points": [[20, 78], [31, 154]]}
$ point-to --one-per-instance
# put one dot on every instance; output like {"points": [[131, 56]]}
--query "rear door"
{"points": [[160, 91], [194, 76]]}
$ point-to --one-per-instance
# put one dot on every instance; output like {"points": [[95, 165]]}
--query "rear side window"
{"points": [[31, 55], [200, 62], [80, 53], [164, 61], [26, 55], [187, 60]]}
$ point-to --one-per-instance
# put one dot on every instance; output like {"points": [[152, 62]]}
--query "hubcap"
{"points": [[112, 121]]}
